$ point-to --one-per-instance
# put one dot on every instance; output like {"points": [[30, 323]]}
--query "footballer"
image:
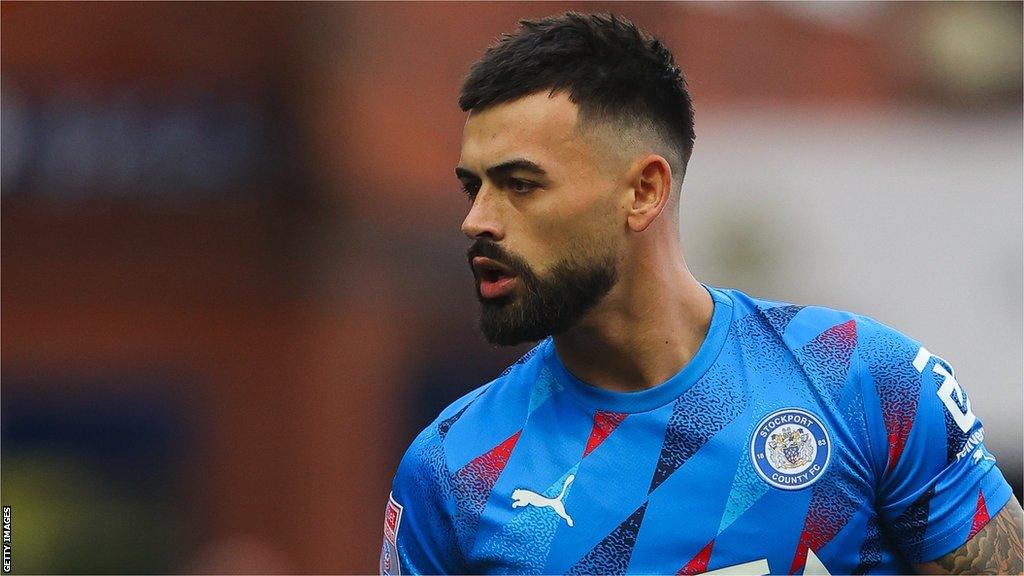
{"points": [[660, 425]]}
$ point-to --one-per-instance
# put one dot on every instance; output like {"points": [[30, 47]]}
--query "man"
{"points": [[660, 425]]}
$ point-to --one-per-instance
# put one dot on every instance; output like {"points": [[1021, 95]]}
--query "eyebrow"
{"points": [[503, 169]]}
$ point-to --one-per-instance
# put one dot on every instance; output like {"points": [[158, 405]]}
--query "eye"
{"points": [[519, 186], [470, 189]]}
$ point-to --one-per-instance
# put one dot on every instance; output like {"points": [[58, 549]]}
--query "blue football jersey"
{"points": [[798, 440]]}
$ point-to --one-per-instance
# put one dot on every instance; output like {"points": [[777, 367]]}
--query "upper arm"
{"points": [[995, 549], [937, 485], [419, 535]]}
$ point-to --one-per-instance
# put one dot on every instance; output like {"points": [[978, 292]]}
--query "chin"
{"points": [[510, 339], [501, 324]]}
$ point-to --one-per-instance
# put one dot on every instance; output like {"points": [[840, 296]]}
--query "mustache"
{"points": [[494, 251]]}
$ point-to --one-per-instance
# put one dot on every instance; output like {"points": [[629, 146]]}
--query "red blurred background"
{"points": [[233, 279]]}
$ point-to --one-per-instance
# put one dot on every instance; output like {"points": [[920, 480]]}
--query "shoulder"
{"points": [[872, 349], [797, 325], [492, 407]]}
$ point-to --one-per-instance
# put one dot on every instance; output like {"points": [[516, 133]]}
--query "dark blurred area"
{"points": [[234, 286]]}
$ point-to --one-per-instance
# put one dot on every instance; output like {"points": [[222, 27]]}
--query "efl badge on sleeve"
{"points": [[389, 563], [790, 449]]}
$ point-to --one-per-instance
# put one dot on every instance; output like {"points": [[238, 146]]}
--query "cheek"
{"points": [[541, 246], [584, 241], [601, 225], [571, 225]]}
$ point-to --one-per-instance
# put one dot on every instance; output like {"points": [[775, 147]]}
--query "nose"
{"points": [[482, 220]]}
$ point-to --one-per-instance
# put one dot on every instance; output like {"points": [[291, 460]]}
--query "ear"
{"points": [[652, 190]]}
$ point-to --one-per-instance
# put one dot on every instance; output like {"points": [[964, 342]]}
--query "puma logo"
{"points": [[522, 497]]}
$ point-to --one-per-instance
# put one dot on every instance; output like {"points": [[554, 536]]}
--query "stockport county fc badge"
{"points": [[790, 449]]}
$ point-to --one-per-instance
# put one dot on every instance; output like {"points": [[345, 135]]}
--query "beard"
{"points": [[548, 304]]}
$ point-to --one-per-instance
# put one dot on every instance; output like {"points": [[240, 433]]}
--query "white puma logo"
{"points": [[522, 497], [979, 455]]}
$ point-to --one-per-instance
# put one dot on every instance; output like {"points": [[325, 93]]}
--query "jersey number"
{"points": [[952, 395]]}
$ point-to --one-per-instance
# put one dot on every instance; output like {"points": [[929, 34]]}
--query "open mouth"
{"points": [[494, 278]]}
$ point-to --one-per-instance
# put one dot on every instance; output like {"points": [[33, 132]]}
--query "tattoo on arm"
{"points": [[996, 549]]}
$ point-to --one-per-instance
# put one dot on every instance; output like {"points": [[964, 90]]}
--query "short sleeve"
{"points": [[419, 537], [938, 483]]}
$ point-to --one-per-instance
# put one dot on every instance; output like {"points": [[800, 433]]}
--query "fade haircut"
{"points": [[613, 71]]}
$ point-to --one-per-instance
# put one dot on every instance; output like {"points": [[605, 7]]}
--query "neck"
{"points": [[644, 331]]}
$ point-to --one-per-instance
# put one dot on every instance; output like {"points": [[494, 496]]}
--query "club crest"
{"points": [[790, 449]]}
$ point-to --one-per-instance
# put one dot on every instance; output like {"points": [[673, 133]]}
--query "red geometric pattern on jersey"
{"points": [[831, 507], [699, 563], [911, 525], [980, 516], [898, 385], [612, 554], [604, 424], [473, 484], [827, 359], [710, 405]]}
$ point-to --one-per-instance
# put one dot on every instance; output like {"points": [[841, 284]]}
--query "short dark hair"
{"points": [[610, 68]]}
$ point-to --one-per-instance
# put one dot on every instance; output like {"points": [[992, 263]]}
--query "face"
{"points": [[545, 217]]}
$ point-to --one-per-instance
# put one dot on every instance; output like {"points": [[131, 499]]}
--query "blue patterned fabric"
{"points": [[798, 438]]}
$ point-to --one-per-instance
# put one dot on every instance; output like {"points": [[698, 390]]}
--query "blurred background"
{"points": [[234, 286]]}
